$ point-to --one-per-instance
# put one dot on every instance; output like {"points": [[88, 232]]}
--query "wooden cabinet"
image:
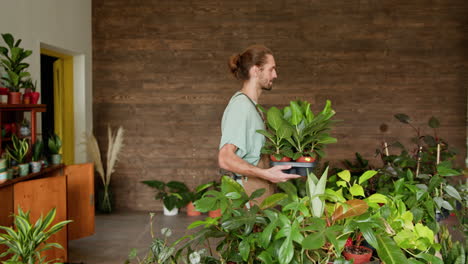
{"points": [[69, 189]]}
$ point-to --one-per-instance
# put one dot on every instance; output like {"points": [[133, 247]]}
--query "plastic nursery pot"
{"points": [[214, 213], [14, 98], [360, 254], [191, 211], [299, 168], [23, 169], [56, 159], [306, 159], [283, 159]]}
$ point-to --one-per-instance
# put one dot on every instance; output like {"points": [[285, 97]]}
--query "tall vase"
{"points": [[105, 200]]}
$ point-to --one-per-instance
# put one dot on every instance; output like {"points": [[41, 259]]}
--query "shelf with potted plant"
{"points": [[297, 137], [13, 63]]}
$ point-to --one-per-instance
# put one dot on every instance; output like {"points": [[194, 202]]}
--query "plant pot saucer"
{"points": [[299, 168]]}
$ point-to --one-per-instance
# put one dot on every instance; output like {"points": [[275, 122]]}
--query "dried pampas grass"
{"points": [[113, 150]]}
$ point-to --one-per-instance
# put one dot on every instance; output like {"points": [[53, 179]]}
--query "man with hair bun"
{"points": [[239, 149]]}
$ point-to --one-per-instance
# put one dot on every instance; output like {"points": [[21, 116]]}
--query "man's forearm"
{"points": [[231, 162]]}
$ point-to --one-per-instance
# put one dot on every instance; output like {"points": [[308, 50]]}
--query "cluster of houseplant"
{"points": [[175, 195], [20, 158], [384, 215], [16, 76], [296, 133]]}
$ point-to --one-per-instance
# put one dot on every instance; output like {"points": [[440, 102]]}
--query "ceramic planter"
{"points": [[214, 213], [14, 98], [36, 166], [3, 177], [172, 212], [191, 211], [56, 159], [25, 131], [34, 97], [299, 168], [358, 258], [4, 99], [23, 169]]}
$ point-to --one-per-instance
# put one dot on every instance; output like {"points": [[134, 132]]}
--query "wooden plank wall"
{"points": [[159, 69]]}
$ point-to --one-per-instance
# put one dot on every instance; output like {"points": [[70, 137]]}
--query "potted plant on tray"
{"points": [[31, 92], [295, 132], [14, 67], [174, 195]]}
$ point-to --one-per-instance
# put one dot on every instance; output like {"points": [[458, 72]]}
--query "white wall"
{"points": [[64, 26]]}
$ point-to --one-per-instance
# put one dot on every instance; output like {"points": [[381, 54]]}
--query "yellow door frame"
{"points": [[64, 120]]}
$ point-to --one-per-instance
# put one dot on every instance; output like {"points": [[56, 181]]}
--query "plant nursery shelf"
{"points": [[23, 107], [37, 175]]}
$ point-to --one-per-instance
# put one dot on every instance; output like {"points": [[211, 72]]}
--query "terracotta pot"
{"points": [[358, 259], [191, 211], [215, 213], [305, 159], [34, 97], [283, 159], [26, 99], [14, 98]]}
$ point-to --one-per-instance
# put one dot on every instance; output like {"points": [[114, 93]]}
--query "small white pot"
{"points": [[172, 212]]}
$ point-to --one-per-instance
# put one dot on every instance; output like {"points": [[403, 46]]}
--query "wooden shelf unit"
{"points": [[33, 108]]}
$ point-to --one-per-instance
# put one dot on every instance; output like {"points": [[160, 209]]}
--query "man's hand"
{"points": [[275, 174]]}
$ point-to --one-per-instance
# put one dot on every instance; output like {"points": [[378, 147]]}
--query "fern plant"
{"points": [[27, 241]]}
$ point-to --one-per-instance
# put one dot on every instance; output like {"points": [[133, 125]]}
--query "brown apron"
{"points": [[252, 184]]}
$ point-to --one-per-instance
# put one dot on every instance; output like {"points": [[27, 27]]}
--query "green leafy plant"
{"points": [[277, 134], [27, 241], [18, 150], [174, 194], [54, 144], [295, 131], [159, 252], [38, 150], [28, 83], [13, 63]]}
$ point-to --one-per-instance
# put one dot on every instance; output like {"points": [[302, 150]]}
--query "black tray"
{"points": [[299, 168]]}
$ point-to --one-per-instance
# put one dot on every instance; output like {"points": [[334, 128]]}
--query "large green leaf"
{"points": [[244, 249], [356, 190], [389, 252], [286, 251], [345, 175], [314, 241], [274, 118], [315, 190], [367, 175], [273, 200], [297, 115], [403, 118], [452, 192]]}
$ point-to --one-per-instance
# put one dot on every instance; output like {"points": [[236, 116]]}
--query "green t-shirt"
{"points": [[240, 122]]}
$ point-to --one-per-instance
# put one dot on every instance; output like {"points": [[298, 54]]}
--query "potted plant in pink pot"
{"points": [[31, 92]]}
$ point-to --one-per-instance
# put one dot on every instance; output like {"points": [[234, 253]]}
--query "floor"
{"points": [[116, 234]]}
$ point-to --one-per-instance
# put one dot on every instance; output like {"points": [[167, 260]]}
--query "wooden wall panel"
{"points": [[159, 69]]}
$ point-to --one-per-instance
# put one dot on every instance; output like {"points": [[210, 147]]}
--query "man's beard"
{"points": [[267, 87]]}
